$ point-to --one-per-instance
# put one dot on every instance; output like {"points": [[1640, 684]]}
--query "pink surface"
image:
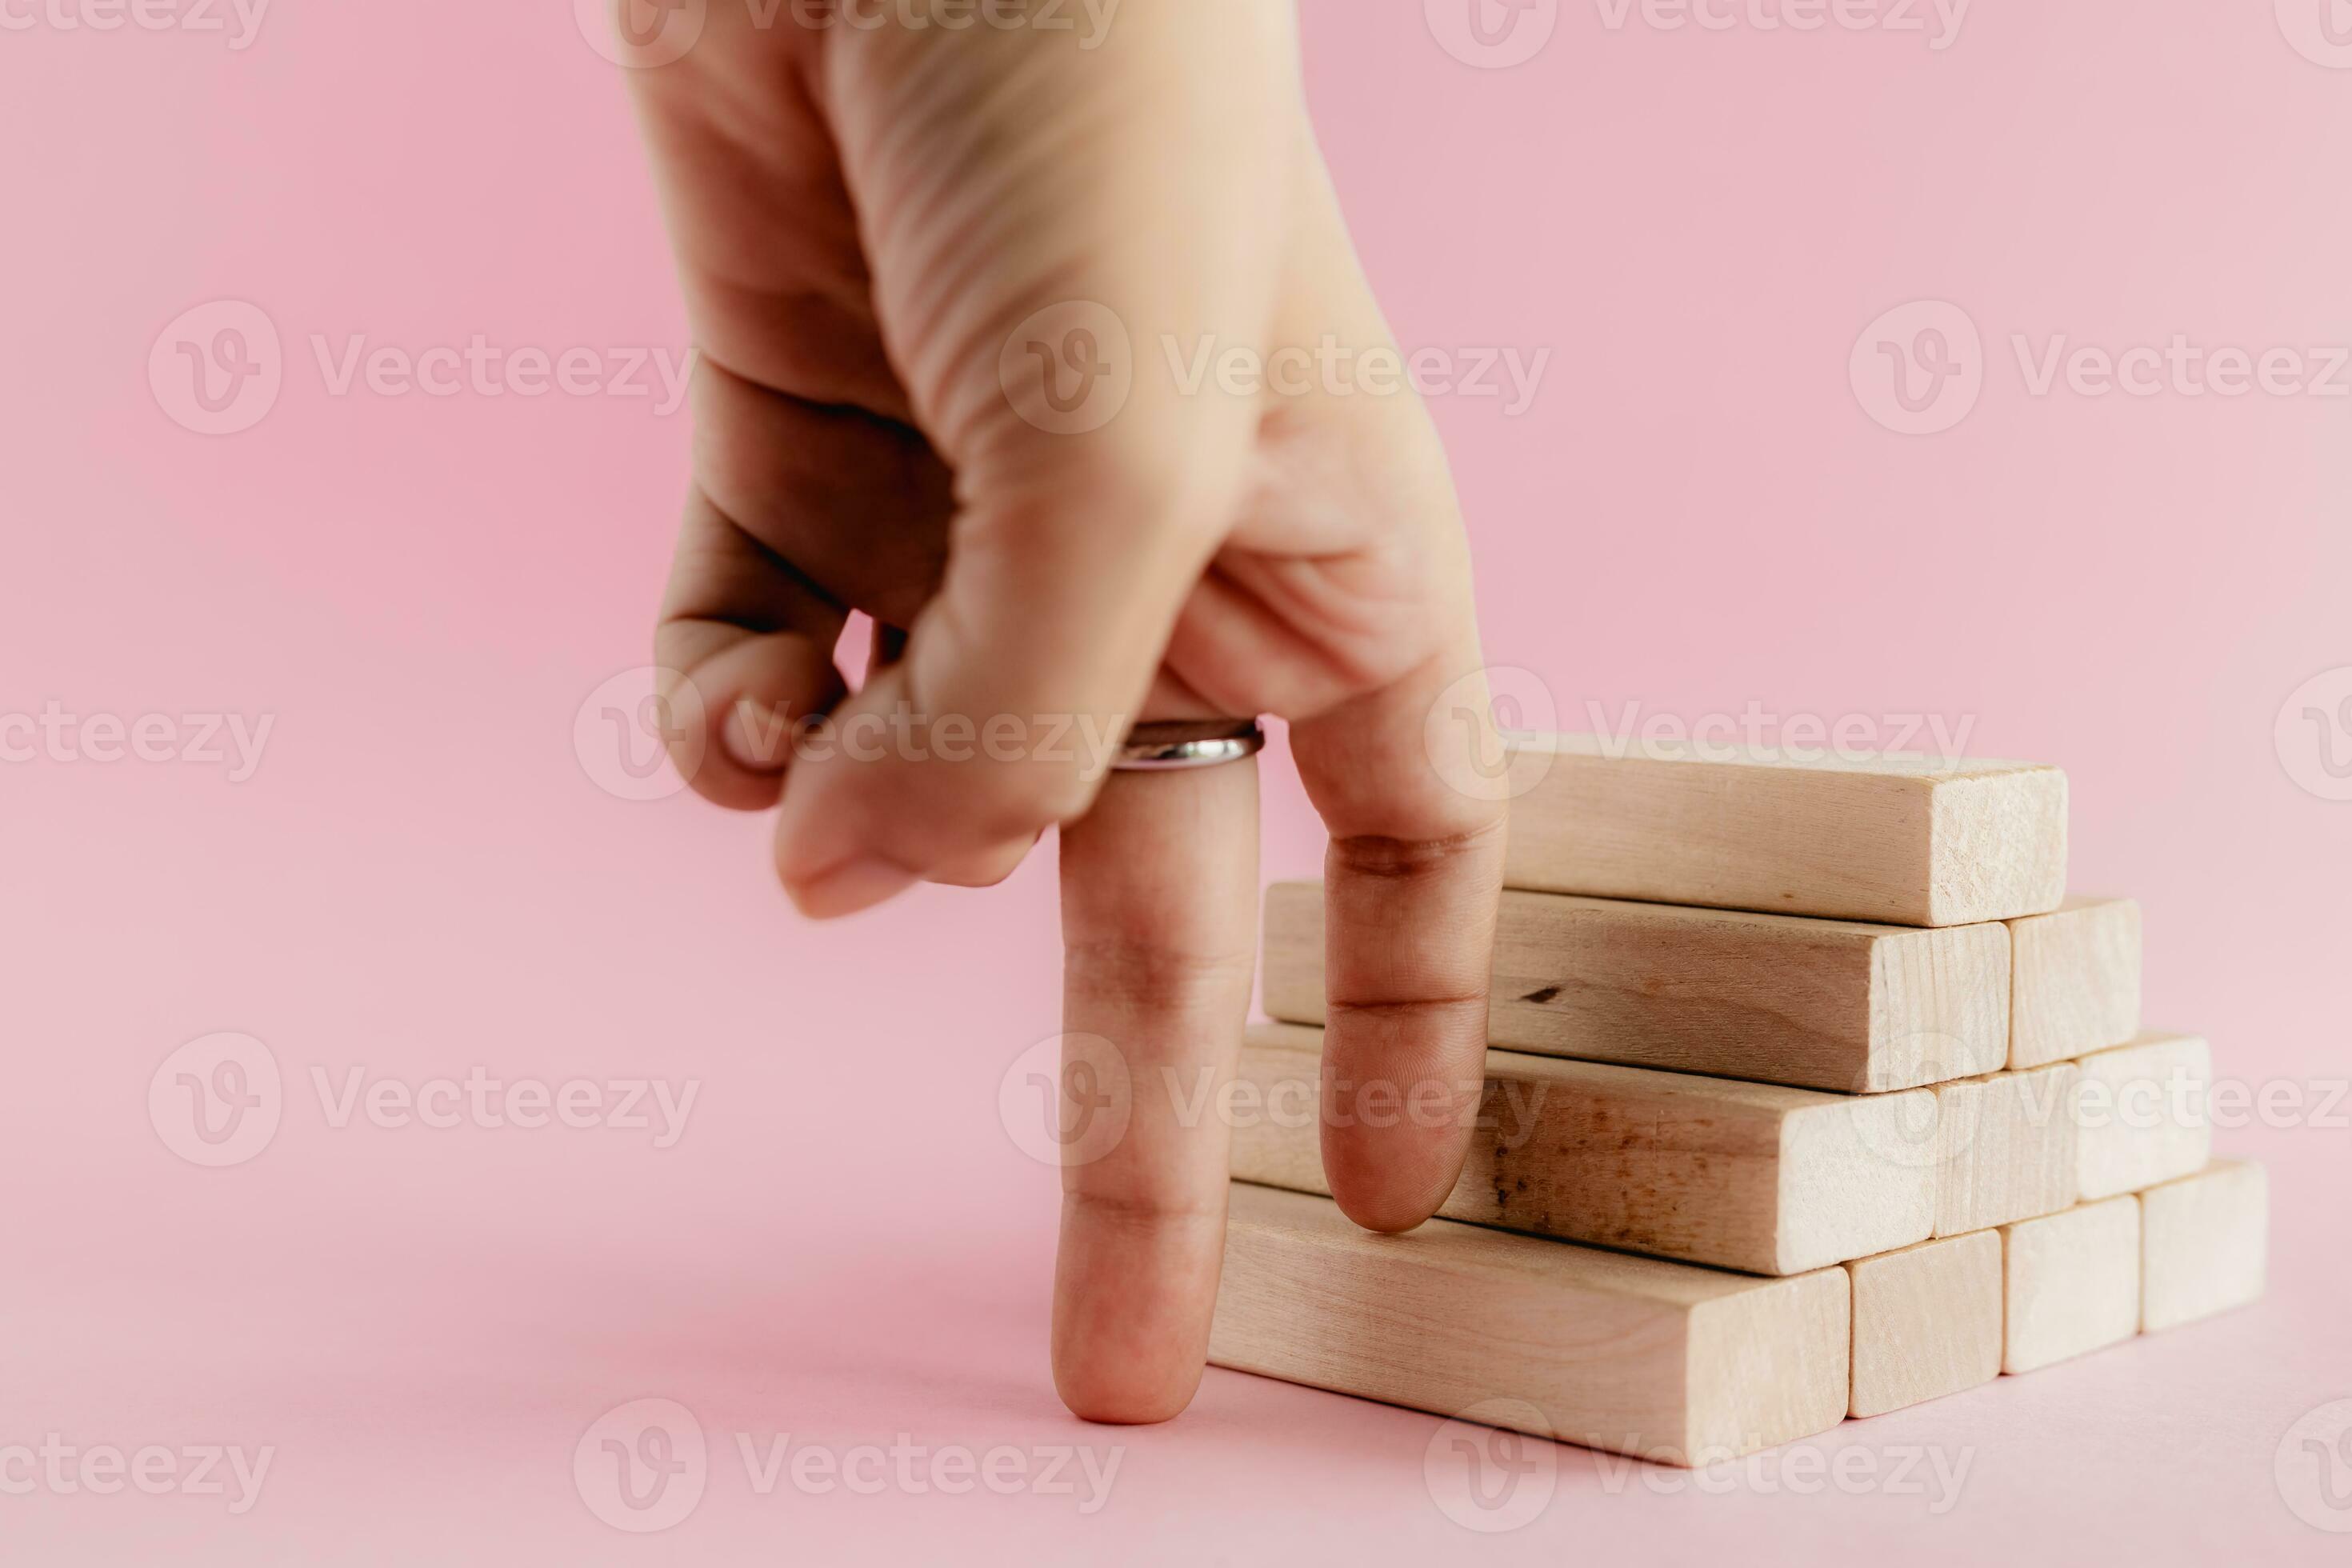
{"points": [[1703, 507]]}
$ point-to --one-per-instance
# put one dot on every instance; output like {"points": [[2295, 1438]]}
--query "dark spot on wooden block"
{"points": [[1545, 995]]}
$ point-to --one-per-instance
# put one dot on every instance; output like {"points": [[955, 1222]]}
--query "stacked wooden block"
{"points": [[1812, 1095]]}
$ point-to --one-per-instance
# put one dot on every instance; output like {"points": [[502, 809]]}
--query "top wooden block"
{"points": [[1896, 839]]}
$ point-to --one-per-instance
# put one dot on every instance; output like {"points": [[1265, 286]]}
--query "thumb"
{"points": [[1040, 218]]}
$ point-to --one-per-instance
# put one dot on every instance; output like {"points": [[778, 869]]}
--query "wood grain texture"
{"points": [[1662, 1361], [2141, 1114], [1896, 839], [2005, 1148], [1739, 1175], [2073, 1283], [1829, 1004], [1926, 1321], [2204, 1243], [2074, 985]]}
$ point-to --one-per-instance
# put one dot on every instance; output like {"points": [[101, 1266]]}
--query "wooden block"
{"points": [[1662, 1361], [2075, 984], [1741, 1175], [2073, 1283], [2140, 1114], [1830, 1005], [1926, 1321], [2005, 1148], [2204, 1243], [1899, 839]]}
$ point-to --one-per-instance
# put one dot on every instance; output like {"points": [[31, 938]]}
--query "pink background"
{"points": [[422, 876]]}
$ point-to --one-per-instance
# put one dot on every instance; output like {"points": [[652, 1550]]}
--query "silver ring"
{"points": [[1189, 744]]}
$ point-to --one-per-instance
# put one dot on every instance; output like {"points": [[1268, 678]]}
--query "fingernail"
{"points": [[855, 884], [755, 738]]}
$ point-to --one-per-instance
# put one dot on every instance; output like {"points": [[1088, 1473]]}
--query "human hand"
{"points": [[869, 221]]}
